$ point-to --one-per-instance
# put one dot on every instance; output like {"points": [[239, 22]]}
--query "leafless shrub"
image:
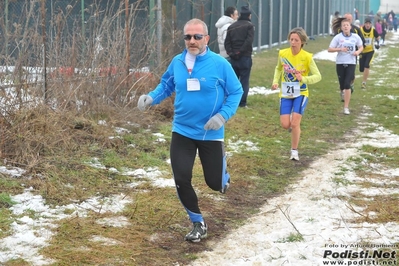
{"points": [[95, 68]]}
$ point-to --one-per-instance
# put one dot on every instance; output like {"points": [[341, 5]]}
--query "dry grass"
{"points": [[381, 208]]}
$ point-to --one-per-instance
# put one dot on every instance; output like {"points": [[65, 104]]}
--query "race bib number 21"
{"points": [[291, 89]]}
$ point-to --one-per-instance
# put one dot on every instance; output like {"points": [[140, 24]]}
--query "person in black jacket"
{"points": [[238, 44]]}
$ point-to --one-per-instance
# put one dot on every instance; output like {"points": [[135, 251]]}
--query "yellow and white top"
{"points": [[288, 65]]}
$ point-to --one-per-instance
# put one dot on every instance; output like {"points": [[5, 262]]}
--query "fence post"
{"points": [[311, 22], [6, 29], [82, 2], [152, 32], [271, 24], [290, 17], [280, 24], [305, 16], [259, 26], [298, 12], [159, 32], [44, 49], [127, 36]]}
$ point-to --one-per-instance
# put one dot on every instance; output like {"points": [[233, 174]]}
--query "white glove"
{"points": [[215, 123], [144, 102]]}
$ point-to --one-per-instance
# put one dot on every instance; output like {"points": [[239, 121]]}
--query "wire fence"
{"points": [[52, 43]]}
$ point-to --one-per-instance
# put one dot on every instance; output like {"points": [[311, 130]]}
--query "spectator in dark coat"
{"points": [[385, 27], [391, 14], [238, 44]]}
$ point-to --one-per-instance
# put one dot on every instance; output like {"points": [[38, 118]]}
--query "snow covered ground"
{"points": [[315, 206]]}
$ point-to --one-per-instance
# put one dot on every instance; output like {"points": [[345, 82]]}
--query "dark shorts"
{"points": [[365, 60], [346, 74]]}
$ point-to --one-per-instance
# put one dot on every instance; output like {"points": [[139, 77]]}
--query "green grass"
{"points": [[256, 175], [5, 221], [5, 200], [292, 237]]}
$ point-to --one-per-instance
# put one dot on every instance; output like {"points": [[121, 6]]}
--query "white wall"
{"points": [[388, 5]]}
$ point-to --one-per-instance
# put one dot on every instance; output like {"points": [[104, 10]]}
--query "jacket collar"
{"points": [[198, 57]]}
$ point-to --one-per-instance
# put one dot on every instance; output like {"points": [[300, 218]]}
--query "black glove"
{"points": [[377, 44], [235, 55]]}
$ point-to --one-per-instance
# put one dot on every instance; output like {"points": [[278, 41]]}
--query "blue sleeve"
{"points": [[233, 92], [166, 87]]}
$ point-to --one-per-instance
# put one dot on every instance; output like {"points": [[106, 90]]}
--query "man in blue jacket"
{"points": [[207, 94]]}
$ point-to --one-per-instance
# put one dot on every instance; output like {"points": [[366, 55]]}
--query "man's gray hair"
{"points": [[196, 21]]}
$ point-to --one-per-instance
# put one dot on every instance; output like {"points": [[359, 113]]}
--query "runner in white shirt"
{"points": [[345, 44]]}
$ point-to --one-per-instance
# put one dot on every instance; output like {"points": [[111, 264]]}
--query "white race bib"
{"points": [[290, 89], [193, 85]]}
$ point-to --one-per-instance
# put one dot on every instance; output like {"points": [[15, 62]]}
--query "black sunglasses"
{"points": [[197, 37]]}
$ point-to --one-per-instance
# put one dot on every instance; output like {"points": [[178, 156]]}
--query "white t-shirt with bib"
{"points": [[350, 42]]}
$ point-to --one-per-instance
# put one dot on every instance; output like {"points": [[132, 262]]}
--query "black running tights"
{"points": [[183, 151]]}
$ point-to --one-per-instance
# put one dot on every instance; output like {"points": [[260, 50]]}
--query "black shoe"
{"points": [[199, 231]]}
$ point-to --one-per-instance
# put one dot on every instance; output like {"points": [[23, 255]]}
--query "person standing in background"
{"points": [[207, 94], [378, 27], [345, 44], [391, 13], [295, 69], [389, 17], [229, 17], [370, 15], [366, 57], [238, 44], [333, 18], [377, 18], [356, 14], [384, 27]]}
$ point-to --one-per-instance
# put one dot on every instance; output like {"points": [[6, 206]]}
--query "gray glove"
{"points": [[215, 123], [144, 102]]}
